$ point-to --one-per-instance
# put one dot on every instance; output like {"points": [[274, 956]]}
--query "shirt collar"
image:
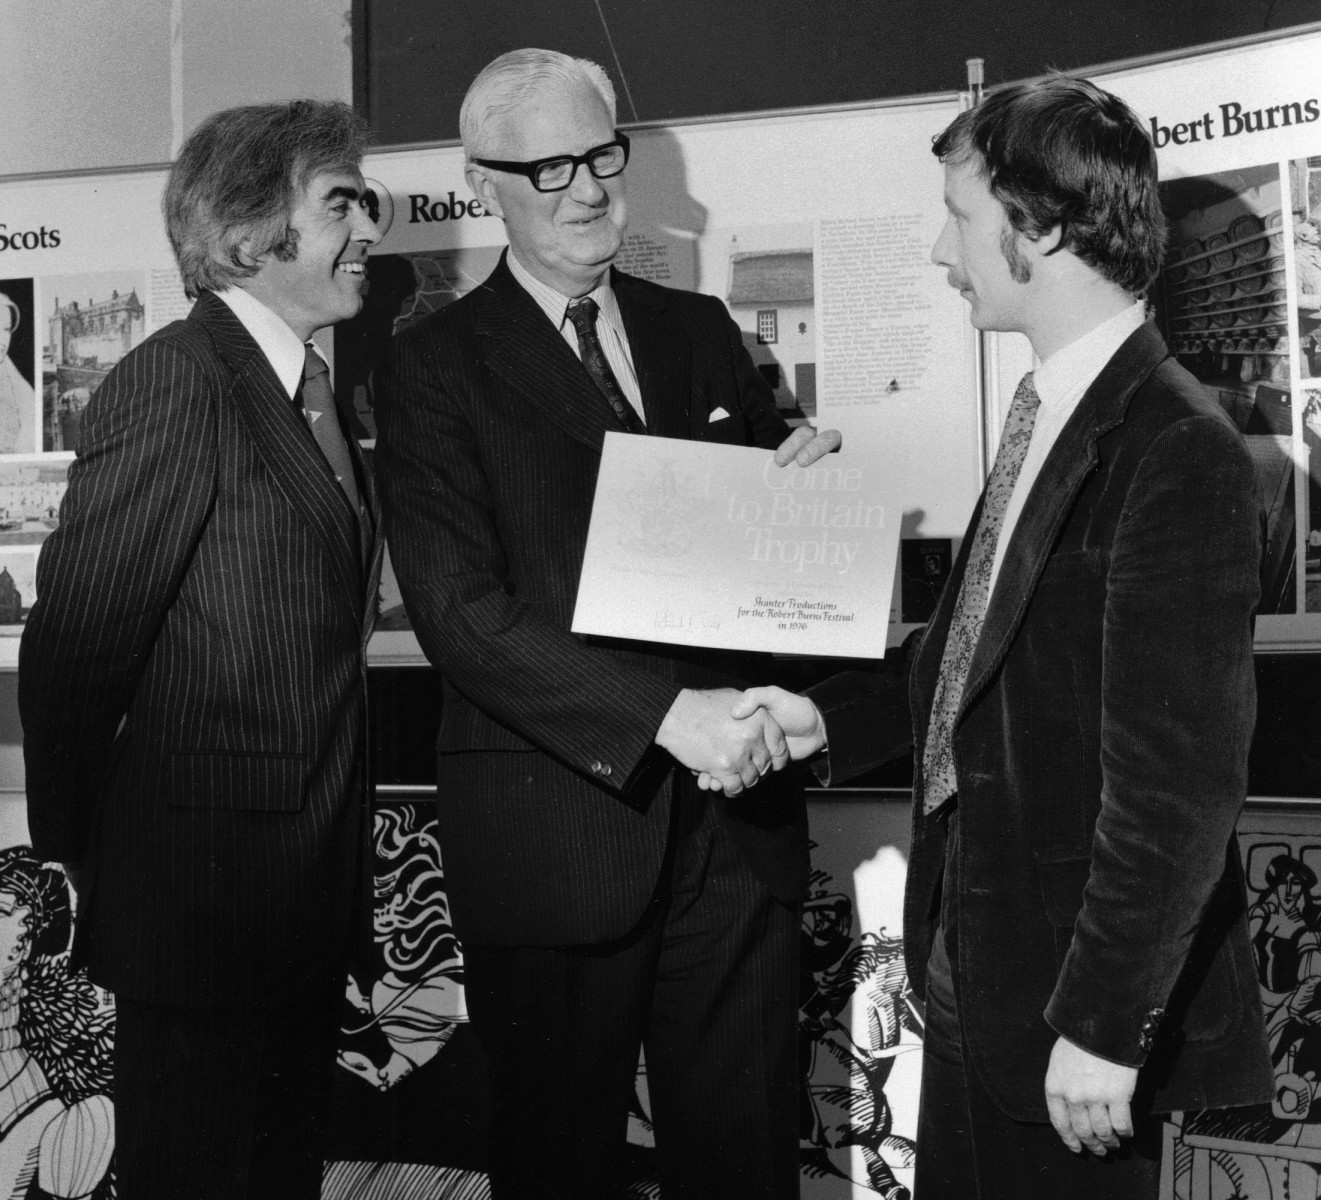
{"points": [[283, 348], [1070, 371], [556, 305]]}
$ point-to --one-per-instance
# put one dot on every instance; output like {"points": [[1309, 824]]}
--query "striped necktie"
{"points": [[938, 775]]}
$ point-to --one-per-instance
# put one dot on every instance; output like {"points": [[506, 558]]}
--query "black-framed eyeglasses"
{"points": [[555, 174]]}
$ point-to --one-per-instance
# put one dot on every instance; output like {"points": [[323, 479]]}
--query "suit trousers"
{"points": [[968, 1149], [707, 986], [218, 1104]]}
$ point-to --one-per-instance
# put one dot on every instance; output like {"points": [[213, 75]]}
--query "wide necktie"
{"points": [[939, 782], [323, 418], [582, 313]]}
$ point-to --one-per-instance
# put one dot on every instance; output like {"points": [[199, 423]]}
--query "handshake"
{"points": [[730, 739]]}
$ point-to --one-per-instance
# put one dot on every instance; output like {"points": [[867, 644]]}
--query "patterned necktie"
{"points": [[582, 313], [323, 418], [970, 608]]}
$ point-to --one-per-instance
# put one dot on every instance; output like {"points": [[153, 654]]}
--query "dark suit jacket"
{"points": [[554, 804], [192, 680], [1101, 752]]}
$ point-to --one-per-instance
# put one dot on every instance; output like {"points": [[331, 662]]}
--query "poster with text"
{"points": [[1238, 137]]}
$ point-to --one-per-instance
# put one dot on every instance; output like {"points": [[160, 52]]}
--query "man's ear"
{"points": [[245, 255], [1044, 244], [483, 187]]}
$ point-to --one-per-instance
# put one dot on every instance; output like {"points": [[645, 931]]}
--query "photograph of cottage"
{"points": [[768, 286]]}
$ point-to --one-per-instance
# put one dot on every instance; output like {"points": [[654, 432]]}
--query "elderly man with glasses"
{"points": [[605, 902]]}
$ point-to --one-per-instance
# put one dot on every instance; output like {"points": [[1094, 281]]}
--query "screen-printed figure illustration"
{"points": [[57, 1132], [418, 1002], [845, 1070], [413, 1101], [1285, 920], [410, 1110], [1269, 1152]]}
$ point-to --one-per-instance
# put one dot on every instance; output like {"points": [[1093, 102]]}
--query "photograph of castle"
{"points": [[92, 321]]}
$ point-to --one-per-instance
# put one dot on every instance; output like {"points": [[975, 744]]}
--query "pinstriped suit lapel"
{"points": [[529, 354], [662, 358], [283, 441]]}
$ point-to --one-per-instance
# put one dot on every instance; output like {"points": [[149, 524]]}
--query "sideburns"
{"points": [[1020, 270], [286, 249]]}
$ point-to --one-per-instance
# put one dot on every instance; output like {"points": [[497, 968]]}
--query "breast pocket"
{"points": [[254, 782], [726, 428]]}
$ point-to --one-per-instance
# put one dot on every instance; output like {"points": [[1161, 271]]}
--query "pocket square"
{"points": [[718, 414]]}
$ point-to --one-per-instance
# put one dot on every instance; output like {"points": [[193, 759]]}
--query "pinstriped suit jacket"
{"points": [[192, 680], [554, 803]]}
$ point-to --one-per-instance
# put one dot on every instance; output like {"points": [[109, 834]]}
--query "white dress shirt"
{"points": [[609, 326], [1061, 382], [284, 349]]}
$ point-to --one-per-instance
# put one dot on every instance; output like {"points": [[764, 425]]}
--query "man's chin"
{"points": [[602, 249], [598, 242], [345, 312], [596, 259]]}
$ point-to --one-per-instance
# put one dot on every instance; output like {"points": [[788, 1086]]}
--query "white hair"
{"points": [[506, 82]]}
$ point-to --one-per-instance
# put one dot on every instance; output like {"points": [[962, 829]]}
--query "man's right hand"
{"points": [[727, 753], [801, 721]]}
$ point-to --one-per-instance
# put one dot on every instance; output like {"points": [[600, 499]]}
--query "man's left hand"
{"points": [[1088, 1098], [804, 446]]}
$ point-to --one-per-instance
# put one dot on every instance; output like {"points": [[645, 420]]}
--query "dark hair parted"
{"points": [[1060, 151], [232, 191]]}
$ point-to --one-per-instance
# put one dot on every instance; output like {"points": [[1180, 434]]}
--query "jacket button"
{"points": [[601, 768]]}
